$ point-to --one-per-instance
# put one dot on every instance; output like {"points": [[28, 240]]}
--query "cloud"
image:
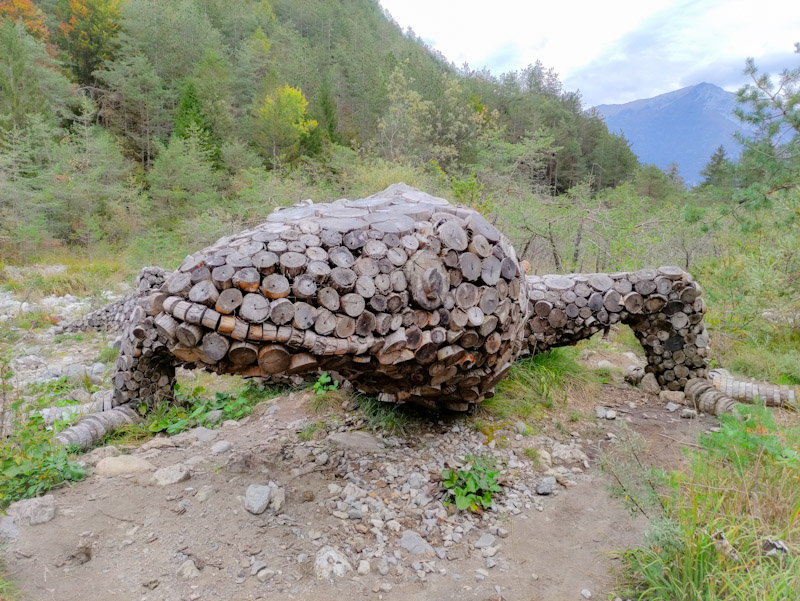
{"points": [[612, 51]]}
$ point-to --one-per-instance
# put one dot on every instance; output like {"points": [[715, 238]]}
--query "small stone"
{"points": [[491, 562], [363, 567], [256, 498], [586, 593], [503, 532], [330, 562], [600, 412], [157, 443], [356, 441], [385, 587], [481, 574], [415, 544], [219, 447], [545, 487], [230, 424], [97, 455], [122, 465], [486, 540], [202, 434], [277, 497], [265, 574], [672, 396], [604, 364], [522, 428], [188, 570], [672, 407], [257, 566], [8, 528], [38, 510], [649, 384], [687, 413], [321, 459], [611, 414], [213, 417], [172, 474]]}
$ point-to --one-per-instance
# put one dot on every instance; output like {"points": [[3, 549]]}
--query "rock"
{"points": [[356, 441], [124, 464], [38, 510], [202, 434], [672, 396], [94, 457], [321, 459], [256, 498], [586, 593], [503, 532], [564, 454], [545, 458], [257, 566], [672, 407], [545, 487], [415, 544], [363, 567], [213, 417], [605, 364], [219, 447], [329, 563], [649, 384], [277, 497], [230, 424], [522, 428], [634, 374], [486, 540], [600, 412], [265, 574], [172, 474], [611, 414], [687, 413], [204, 493], [8, 528], [158, 443], [188, 570]]}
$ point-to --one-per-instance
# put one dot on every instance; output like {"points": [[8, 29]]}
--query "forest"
{"points": [[134, 131]]}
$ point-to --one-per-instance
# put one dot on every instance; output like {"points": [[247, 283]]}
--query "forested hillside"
{"points": [[132, 131]]}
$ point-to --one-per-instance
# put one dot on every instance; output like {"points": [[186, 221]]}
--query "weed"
{"points": [[539, 381], [107, 355], [472, 487], [307, 433], [383, 416], [533, 455], [191, 409], [325, 384], [741, 487]]}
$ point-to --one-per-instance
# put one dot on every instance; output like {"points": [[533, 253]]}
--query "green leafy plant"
{"points": [[472, 487], [325, 384]]}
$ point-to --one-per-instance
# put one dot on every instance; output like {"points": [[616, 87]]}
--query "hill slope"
{"points": [[685, 127]]}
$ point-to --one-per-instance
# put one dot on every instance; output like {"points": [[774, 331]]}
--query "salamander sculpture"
{"points": [[403, 294]]}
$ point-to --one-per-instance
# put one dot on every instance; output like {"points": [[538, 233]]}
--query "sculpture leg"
{"points": [[145, 370], [663, 307]]}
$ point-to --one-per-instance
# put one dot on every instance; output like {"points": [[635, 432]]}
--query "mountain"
{"points": [[684, 127]]}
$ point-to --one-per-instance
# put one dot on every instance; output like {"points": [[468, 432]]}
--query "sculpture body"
{"points": [[403, 294]]}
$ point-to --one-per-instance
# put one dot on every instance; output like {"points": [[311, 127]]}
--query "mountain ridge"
{"points": [[684, 126]]}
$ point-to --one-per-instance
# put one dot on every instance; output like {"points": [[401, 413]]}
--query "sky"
{"points": [[613, 51]]}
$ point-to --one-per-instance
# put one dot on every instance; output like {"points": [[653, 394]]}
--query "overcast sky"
{"points": [[613, 51]]}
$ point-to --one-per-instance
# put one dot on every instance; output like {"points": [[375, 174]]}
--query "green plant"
{"points": [[324, 384], [472, 487], [533, 455], [190, 408], [307, 433], [108, 354], [388, 417], [537, 382], [31, 463]]}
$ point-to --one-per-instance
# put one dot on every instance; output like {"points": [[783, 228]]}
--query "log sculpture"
{"points": [[401, 293]]}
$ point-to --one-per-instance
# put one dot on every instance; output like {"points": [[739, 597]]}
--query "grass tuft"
{"points": [[540, 382]]}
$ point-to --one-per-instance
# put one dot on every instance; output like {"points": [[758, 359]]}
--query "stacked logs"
{"points": [[115, 316], [663, 307], [749, 392], [402, 294]]}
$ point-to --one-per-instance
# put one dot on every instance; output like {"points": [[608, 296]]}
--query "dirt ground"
{"points": [[128, 538]]}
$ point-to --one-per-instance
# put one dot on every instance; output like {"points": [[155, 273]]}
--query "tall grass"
{"points": [[540, 382], [740, 489]]}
